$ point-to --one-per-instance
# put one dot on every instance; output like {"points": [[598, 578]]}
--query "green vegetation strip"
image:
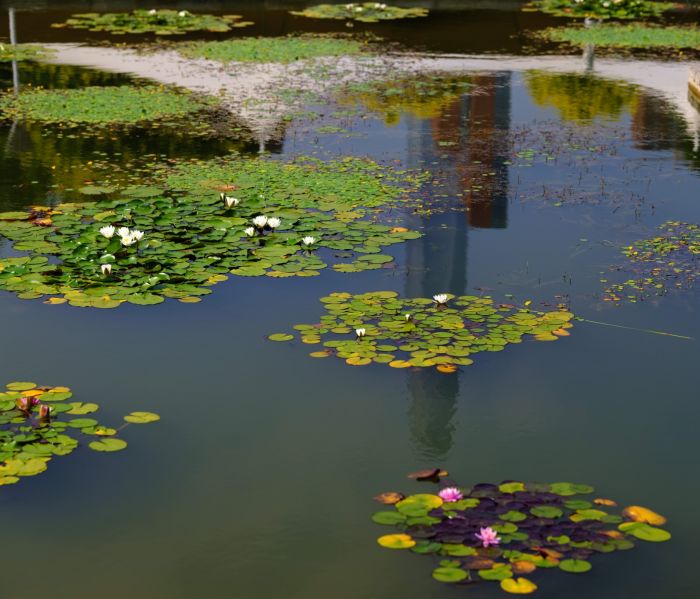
{"points": [[634, 35], [102, 105], [39, 423], [499, 533], [206, 220], [23, 52], [379, 327], [160, 22], [271, 49], [602, 9], [364, 12]]}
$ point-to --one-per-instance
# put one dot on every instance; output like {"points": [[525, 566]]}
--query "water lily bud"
{"points": [[407, 317], [107, 232], [44, 412], [360, 332], [106, 269]]}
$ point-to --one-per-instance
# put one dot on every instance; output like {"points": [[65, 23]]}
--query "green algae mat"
{"points": [[444, 331], [38, 424], [103, 105], [206, 221]]}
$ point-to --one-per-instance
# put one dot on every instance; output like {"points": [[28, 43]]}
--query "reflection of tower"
{"points": [[469, 142]]}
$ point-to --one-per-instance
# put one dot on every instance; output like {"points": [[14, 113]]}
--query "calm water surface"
{"points": [[258, 481]]}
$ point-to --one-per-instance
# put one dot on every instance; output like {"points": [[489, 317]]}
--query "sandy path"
{"points": [[252, 91]]}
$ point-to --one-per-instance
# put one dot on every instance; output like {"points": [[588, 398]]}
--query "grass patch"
{"points": [[23, 52], [101, 105], [272, 49], [635, 35]]}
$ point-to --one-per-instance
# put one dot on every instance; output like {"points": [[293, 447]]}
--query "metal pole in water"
{"points": [[13, 28]]}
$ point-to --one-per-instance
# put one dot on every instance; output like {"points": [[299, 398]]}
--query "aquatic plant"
{"points": [[634, 35], [501, 532], [39, 423], [602, 9], [422, 332], [103, 105], [179, 239], [9, 53], [670, 260], [364, 12], [272, 49], [158, 21]]}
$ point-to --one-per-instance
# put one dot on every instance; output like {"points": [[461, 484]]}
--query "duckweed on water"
{"points": [[102, 105], [160, 22], [444, 332], [635, 35], [602, 9], [364, 12], [501, 532], [39, 423], [272, 49], [275, 219], [23, 52], [660, 264]]}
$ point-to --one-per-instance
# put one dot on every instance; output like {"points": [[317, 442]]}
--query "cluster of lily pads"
{"points": [[39, 423], [364, 12], [602, 9], [670, 260], [9, 53], [160, 22], [103, 105], [379, 327], [285, 219], [501, 532]]}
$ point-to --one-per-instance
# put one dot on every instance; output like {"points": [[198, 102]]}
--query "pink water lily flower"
{"points": [[450, 494], [488, 536]]}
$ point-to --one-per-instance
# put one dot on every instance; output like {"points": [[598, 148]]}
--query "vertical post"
{"points": [[13, 28], [13, 43]]}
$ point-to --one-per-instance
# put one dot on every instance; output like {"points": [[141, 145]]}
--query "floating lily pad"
{"points": [[364, 12], [602, 9], [419, 333], [142, 417], [513, 529], [159, 22], [23, 52], [192, 240], [37, 424], [657, 265]]}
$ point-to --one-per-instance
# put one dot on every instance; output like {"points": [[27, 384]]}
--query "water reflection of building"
{"points": [[467, 147]]}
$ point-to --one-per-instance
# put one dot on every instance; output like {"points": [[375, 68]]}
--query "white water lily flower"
{"points": [[128, 240], [182, 13], [250, 231], [107, 232], [307, 241], [274, 222], [153, 11], [137, 235], [358, 9], [407, 316], [360, 333], [106, 269], [440, 299], [260, 221], [123, 231], [229, 201]]}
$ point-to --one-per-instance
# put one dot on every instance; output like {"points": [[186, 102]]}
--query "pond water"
{"points": [[258, 481]]}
